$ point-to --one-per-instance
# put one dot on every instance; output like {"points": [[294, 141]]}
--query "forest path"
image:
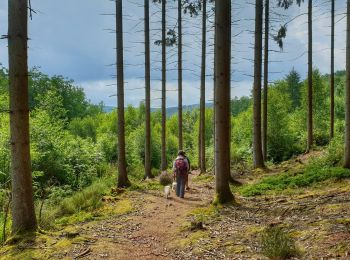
{"points": [[147, 232]]}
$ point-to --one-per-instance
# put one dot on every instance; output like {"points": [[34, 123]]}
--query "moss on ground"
{"points": [[204, 178], [312, 175], [191, 239]]}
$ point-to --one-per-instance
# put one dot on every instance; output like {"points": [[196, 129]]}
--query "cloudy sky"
{"points": [[75, 38]]}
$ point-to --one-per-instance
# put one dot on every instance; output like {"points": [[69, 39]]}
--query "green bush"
{"points": [[277, 244], [311, 175], [86, 200]]}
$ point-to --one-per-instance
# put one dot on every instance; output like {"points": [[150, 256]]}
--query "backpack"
{"points": [[180, 165]]}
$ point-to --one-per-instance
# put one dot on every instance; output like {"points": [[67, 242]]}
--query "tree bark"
{"points": [[180, 74], [163, 156], [223, 99], [332, 71], [266, 77], [309, 87], [23, 214], [148, 172], [257, 144], [347, 92], [214, 87], [122, 173], [202, 92]]}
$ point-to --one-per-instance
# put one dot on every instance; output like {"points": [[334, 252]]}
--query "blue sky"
{"points": [[73, 38]]}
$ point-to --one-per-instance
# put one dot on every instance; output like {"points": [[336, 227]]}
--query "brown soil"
{"points": [[146, 233]]}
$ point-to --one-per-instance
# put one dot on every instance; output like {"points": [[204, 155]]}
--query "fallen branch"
{"points": [[84, 253]]}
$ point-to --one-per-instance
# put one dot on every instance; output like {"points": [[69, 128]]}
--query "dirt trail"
{"points": [[147, 232]]}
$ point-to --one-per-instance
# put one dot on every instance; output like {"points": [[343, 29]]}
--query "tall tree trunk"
{"points": [[122, 174], [163, 157], [332, 71], [223, 99], [202, 92], [257, 145], [266, 77], [214, 87], [23, 215], [148, 173], [309, 87], [180, 73], [347, 92]]}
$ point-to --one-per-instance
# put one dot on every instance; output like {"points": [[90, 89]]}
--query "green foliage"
{"points": [[62, 157], [311, 175], [4, 131], [281, 137], [242, 126], [239, 105], [85, 127], [74, 100], [320, 107], [294, 88], [277, 244], [88, 199]]}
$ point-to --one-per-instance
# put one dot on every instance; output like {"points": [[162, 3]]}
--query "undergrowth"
{"points": [[200, 217], [311, 175], [88, 199], [277, 244]]}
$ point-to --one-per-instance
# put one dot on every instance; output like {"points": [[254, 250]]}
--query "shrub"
{"points": [[313, 174], [165, 179], [277, 244], [87, 199]]}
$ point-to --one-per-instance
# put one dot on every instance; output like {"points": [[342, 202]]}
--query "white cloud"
{"points": [[134, 92]]}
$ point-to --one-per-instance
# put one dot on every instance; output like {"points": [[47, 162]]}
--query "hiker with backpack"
{"points": [[181, 168]]}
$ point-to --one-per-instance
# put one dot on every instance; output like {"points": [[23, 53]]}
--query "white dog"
{"points": [[167, 191], [173, 186]]}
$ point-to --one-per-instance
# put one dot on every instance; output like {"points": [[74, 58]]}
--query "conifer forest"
{"points": [[175, 129]]}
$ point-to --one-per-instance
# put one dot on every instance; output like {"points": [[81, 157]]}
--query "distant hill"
{"points": [[108, 109], [170, 110]]}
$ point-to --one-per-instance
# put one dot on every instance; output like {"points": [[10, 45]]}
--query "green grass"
{"points": [[311, 175], [277, 244], [7, 228], [146, 185], [204, 178], [201, 216], [86, 200]]}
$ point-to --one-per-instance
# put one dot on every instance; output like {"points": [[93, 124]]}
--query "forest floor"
{"points": [[144, 225]]}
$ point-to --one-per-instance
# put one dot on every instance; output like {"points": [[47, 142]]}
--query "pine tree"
{"points": [[163, 157], [122, 173], [266, 77], [310, 137], [23, 215], [180, 73], [332, 70], [257, 144], [347, 92], [148, 173], [202, 90], [223, 99]]}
